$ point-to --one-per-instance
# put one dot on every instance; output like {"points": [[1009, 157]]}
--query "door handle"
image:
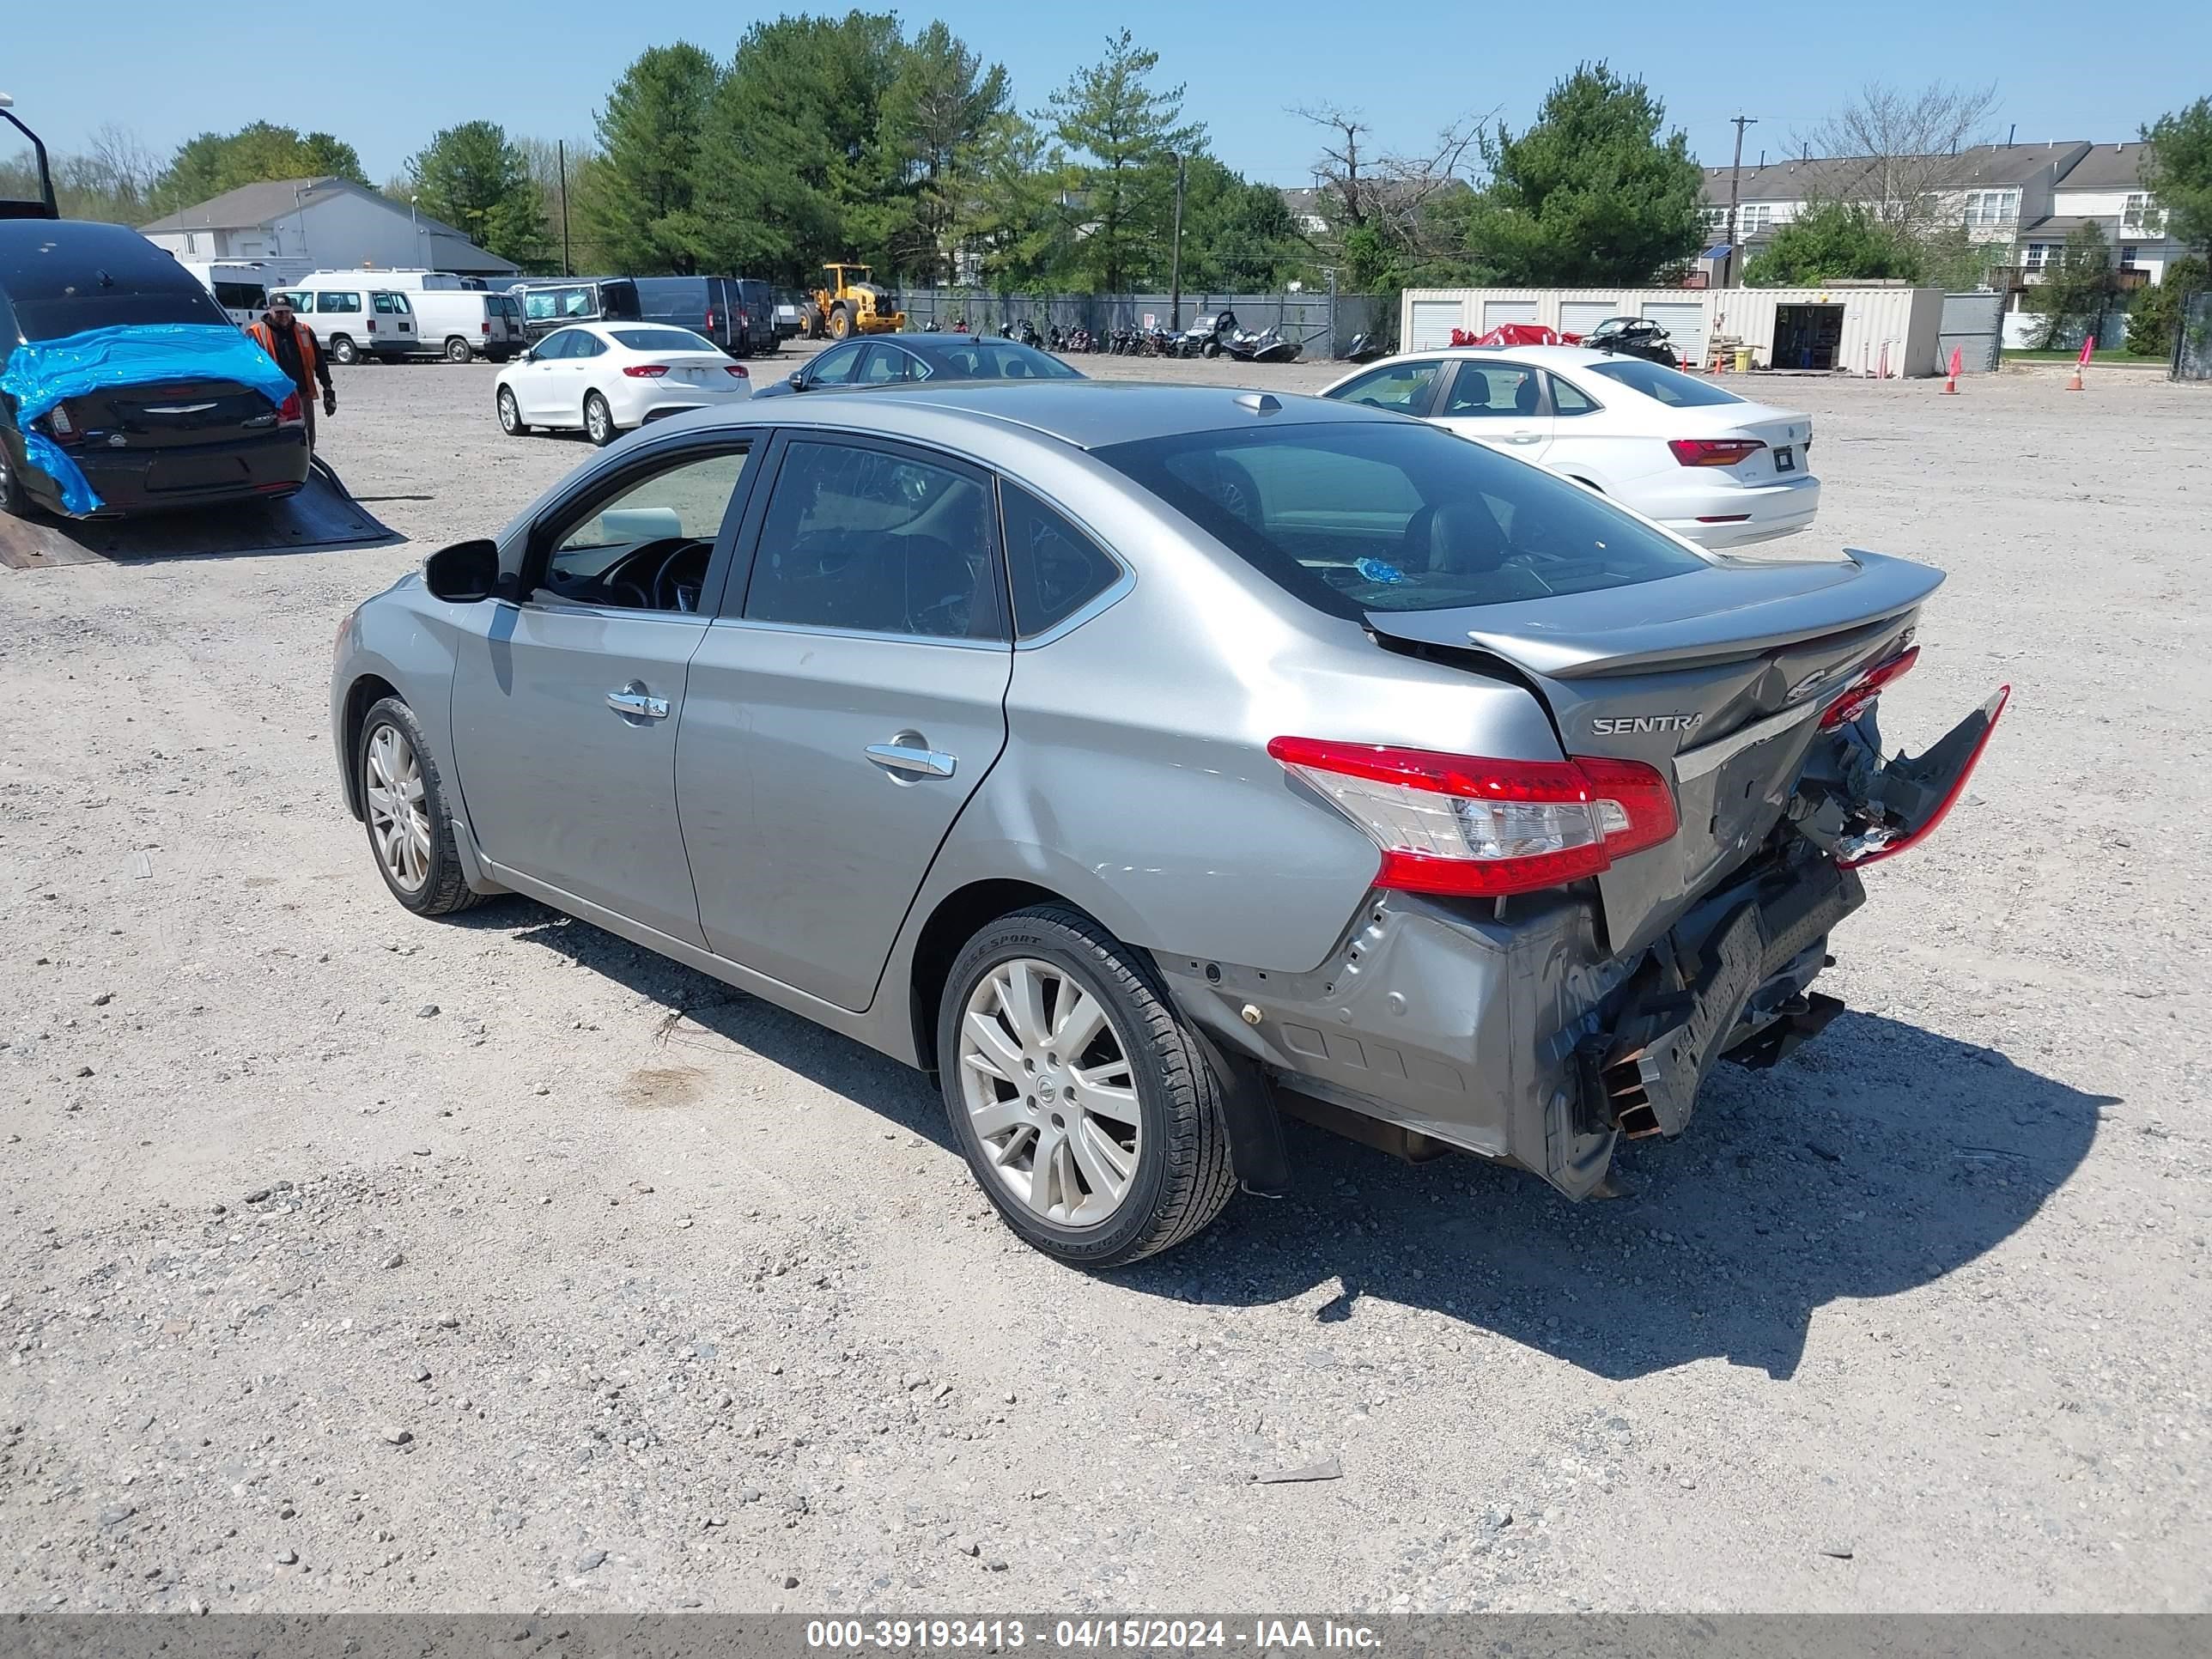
{"points": [[1524, 437], [915, 759], [634, 702]]}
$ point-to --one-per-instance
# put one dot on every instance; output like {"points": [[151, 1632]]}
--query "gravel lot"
{"points": [[355, 1261]]}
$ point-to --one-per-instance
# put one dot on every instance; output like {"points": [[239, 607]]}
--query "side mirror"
{"points": [[463, 573], [798, 380], [530, 353]]}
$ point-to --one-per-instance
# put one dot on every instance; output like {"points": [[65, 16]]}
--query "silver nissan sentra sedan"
{"points": [[1147, 761]]}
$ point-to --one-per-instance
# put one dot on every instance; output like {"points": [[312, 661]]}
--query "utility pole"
{"points": [[1174, 257], [560, 159], [1736, 179]]}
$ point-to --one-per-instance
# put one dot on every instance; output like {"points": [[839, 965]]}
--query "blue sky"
{"points": [[166, 69]]}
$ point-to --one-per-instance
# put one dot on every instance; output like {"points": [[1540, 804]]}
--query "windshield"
{"points": [[665, 339], [1669, 385], [1353, 517]]}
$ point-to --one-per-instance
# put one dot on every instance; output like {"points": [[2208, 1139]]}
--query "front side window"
{"points": [[835, 366], [1360, 518], [556, 346], [1491, 390], [879, 541], [1055, 568], [1669, 385], [646, 547], [1403, 387]]}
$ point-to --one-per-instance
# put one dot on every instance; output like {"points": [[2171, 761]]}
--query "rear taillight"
{"points": [[486, 326], [1714, 452], [1862, 691], [372, 326], [1991, 711], [291, 412], [64, 428], [645, 371], [1463, 825], [737, 369], [710, 320]]}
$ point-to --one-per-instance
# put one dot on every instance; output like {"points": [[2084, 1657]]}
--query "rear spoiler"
{"points": [[1737, 609]]}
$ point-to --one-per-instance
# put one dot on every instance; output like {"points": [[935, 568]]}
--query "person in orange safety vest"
{"points": [[291, 345]]}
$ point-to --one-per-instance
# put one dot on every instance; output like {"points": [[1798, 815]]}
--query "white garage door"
{"points": [[1433, 323], [1495, 311], [1685, 325], [1580, 316]]}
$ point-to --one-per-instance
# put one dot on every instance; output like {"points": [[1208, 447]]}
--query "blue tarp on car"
{"points": [[44, 373]]}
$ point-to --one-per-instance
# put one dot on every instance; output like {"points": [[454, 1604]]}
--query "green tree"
{"points": [[941, 105], [1124, 135], [2078, 289], [2177, 170], [1237, 237], [1832, 241], [640, 203], [1591, 195], [2154, 320], [475, 179], [207, 166], [1013, 223], [791, 171]]}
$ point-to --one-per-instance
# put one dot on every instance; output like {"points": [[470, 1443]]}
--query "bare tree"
{"points": [[1896, 152], [1388, 191]]}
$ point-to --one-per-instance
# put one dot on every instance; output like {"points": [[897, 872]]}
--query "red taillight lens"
{"points": [[737, 369], [1714, 452], [645, 371], [485, 326], [64, 428], [1992, 711], [1864, 689], [290, 412], [372, 326], [1463, 825], [710, 320]]}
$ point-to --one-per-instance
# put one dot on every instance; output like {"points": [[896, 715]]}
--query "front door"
{"points": [[565, 714], [538, 381], [1497, 404], [843, 708]]}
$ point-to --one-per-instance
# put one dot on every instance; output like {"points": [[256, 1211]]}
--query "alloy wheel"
{"points": [[1049, 1092], [398, 817], [596, 419]]}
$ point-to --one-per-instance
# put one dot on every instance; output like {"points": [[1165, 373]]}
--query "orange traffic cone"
{"points": [[2075, 385], [1951, 384]]}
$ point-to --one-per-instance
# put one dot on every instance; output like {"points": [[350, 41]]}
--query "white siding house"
{"points": [[332, 223]]}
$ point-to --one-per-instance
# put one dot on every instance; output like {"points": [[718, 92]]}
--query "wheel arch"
{"points": [[956, 918], [363, 695]]}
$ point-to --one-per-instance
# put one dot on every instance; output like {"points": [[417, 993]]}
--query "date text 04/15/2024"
{"points": [[1001, 1633]]}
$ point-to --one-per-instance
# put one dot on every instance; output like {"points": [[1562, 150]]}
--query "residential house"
{"points": [[333, 223], [2103, 188]]}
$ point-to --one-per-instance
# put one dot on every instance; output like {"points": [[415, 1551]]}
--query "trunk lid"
{"points": [[1715, 678], [172, 413]]}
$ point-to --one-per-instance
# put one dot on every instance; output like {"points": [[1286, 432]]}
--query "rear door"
{"points": [[843, 708], [565, 715], [1497, 402]]}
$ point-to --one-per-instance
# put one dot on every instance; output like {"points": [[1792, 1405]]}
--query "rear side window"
{"points": [[1567, 399], [1056, 569], [1402, 387], [1389, 516], [328, 302], [877, 542], [1669, 385]]}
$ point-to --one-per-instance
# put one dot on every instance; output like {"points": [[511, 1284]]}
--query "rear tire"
{"points": [[599, 420], [15, 495], [841, 323], [510, 414], [343, 351], [411, 832], [1160, 1132], [458, 350]]}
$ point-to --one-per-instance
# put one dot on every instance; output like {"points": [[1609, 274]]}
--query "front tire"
{"points": [[343, 351], [510, 414], [599, 420], [841, 323], [457, 350], [1082, 1103], [410, 831]]}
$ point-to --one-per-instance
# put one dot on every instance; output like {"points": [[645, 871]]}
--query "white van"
{"points": [[241, 286], [351, 319], [459, 325]]}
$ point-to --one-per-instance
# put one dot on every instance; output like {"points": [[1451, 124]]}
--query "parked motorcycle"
{"points": [[1367, 348], [1633, 337], [930, 327], [1055, 340], [1077, 340], [1028, 335]]}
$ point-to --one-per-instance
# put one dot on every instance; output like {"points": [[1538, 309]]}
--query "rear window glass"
{"points": [[1353, 518], [664, 340], [1669, 385], [502, 305], [73, 313]]}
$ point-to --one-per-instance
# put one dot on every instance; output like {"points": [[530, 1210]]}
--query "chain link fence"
{"points": [[1321, 325], [2193, 352]]}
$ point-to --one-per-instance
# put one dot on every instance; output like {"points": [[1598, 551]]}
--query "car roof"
{"points": [[1564, 355], [43, 258], [1085, 414]]}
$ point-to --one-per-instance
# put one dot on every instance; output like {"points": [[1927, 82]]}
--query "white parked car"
{"points": [[608, 377], [1713, 467]]}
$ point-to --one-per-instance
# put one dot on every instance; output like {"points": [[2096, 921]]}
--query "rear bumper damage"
{"points": [[1510, 1030]]}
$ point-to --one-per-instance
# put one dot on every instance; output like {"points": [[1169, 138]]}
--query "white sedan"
{"points": [[608, 377], [1716, 468]]}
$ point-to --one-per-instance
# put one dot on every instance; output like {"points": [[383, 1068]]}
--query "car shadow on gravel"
{"points": [[1875, 1160]]}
